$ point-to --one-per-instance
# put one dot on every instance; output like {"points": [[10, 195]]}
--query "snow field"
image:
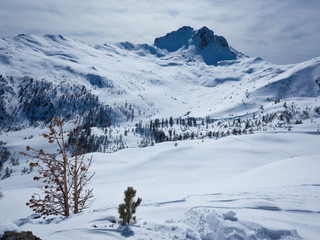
{"points": [[269, 180]]}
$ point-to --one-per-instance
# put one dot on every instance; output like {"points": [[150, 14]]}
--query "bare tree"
{"points": [[65, 178]]}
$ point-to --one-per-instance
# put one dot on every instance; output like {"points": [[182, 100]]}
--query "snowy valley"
{"points": [[218, 145]]}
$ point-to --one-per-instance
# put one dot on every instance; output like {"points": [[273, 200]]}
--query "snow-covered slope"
{"points": [[151, 78], [266, 186], [248, 168]]}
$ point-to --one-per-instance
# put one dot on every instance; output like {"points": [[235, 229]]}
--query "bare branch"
{"points": [[65, 178]]}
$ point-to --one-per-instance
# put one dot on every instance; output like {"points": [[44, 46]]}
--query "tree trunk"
{"points": [[76, 197], [65, 185]]}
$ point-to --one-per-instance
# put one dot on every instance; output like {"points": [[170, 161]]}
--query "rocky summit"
{"points": [[212, 48]]}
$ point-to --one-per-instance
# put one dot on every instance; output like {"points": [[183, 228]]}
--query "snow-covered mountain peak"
{"points": [[176, 71], [212, 48]]}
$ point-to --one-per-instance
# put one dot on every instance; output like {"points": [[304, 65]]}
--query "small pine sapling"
{"points": [[129, 207]]}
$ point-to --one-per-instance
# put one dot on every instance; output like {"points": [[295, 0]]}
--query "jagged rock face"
{"points": [[207, 36], [210, 47], [175, 40]]}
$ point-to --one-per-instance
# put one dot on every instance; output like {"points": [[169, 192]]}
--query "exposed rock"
{"points": [[212, 48], [11, 235], [206, 36], [175, 40]]}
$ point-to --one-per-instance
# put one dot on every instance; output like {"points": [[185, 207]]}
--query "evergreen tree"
{"points": [[129, 207], [171, 122]]}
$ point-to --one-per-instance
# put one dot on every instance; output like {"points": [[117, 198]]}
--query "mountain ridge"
{"points": [[148, 77]]}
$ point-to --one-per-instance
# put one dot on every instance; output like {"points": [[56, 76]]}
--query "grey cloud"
{"points": [[262, 28]]}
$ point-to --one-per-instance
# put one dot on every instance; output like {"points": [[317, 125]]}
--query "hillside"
{"points": [[147, 77]]}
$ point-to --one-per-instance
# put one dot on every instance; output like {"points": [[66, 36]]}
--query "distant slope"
{"points": [[170, 78], [302, 80]]}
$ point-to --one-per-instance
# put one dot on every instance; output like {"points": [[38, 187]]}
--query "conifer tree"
{"points": [[129, 207]]}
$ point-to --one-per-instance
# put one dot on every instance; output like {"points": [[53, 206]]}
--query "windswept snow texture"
{"points": [[265, 187], [250, 172]]}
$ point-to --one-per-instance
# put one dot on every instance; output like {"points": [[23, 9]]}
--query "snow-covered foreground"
{"points": [[260, 186]]}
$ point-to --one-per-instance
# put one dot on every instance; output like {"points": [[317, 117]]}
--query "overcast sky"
{"points": [[279, 31]]}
